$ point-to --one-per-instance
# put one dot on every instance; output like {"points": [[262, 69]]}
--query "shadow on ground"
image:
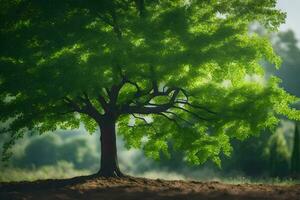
{"points": [[91, 187]]}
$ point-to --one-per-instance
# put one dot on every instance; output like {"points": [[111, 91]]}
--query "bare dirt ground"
{"points": [[139, 188]]}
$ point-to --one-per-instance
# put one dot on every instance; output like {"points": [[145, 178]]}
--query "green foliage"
{"points": [[184, 72]]}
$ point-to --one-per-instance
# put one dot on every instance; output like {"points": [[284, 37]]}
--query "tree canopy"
{"points": [[182, 72]]}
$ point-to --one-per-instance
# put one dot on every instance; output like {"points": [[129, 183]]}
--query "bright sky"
{"points": [[292, 8]]}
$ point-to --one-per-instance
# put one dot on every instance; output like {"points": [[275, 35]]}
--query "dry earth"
{"points": [[139, 188]]}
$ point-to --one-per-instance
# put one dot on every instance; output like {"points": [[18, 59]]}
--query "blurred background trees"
{"points": [[295, 158]]}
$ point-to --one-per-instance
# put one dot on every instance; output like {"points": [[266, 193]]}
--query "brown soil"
{"points": [[139, 188]]}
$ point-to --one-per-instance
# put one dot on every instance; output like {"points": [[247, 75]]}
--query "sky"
{"points": [[292, 8]]}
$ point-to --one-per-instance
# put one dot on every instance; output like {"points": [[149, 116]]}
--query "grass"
{"points": [[268, 181], [67, 170], [59, 171]]}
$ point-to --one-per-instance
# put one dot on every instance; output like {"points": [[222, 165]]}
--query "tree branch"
{"points": [[196, 106], [115, 23], [90, 108], [114, 93], [145, 121], [126, 80], [87, 109], [192, 113], [73, 105], [171, 119], [155, 108], [102, 102], [144, 110], [185, 93], [186, 121], [141, 118]]}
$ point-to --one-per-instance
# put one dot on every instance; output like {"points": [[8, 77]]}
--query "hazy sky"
{"points": [[292, 8]]}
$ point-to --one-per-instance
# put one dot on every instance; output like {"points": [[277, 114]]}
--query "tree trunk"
{"points": [[109, 159]]}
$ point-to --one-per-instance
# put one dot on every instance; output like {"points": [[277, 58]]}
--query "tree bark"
{"points": [[109, 159]]}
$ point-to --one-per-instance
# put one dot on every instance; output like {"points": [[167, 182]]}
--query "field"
{"points": [[89, 187]]}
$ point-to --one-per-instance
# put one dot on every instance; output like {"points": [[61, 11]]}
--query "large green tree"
{"points": [[185, 73]]}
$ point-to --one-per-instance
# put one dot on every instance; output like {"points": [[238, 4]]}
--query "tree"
{"points": [[278, 155], [165, 72], [295, 158], [285, 44], [248, 157]]}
